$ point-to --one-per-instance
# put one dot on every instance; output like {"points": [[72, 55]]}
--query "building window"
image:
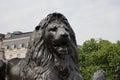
{"points": [[27, 45], [20, 45], [6, 47], [10, 56], [18, 55], [13, 46]]}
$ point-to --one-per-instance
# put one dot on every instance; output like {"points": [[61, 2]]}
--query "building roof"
{"points": [[17, 34]]}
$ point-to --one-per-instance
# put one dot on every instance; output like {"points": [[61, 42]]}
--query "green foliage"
{"points": [[99, 54]]}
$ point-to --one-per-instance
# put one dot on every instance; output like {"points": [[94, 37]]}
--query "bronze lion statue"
{"points": [[99, 75], [52, 52]]}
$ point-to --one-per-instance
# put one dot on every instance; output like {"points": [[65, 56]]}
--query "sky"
{"points": [[88, 18]]}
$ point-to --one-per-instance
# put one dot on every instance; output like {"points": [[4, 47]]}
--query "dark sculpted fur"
{"points": [[52, 53], [2, 69]]}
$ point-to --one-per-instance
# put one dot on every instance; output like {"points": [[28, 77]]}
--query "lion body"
{"points": [[54, 70]]}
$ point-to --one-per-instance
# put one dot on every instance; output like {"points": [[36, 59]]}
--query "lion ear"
{"points": [[37, 28]]}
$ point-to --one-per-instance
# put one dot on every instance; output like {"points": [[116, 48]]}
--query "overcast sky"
{"points": [[88, 18]]}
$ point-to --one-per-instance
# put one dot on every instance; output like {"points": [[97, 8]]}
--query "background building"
{"points": [[15, 44]]}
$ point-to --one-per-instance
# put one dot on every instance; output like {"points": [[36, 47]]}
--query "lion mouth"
{"points": [[61, 47]]}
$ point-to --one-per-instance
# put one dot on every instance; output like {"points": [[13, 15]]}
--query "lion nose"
{"points": [[64, 35]]}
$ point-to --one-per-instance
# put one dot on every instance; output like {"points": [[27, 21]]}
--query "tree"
{"points": [[98, 54]]}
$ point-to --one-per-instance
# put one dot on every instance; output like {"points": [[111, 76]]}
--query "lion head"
{"points": [[53, 35], [52, 48]]}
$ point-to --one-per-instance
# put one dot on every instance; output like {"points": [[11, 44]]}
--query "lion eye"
{"points": [[53, 29]]}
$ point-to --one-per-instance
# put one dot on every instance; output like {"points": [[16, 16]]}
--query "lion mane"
{"points": [[42, 62]]}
